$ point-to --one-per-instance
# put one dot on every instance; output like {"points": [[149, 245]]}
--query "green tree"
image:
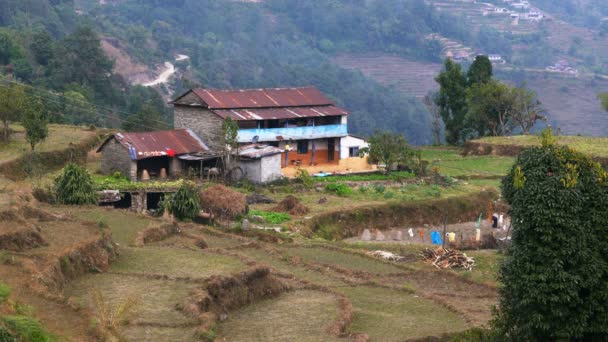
{"points": [[12, 102], [77, 110], [75, 186], [451, 100], [230, 132], [604, 99], [185, 204], [388, 149], [491, 108], [42, 47], [554, 278], [146, 119], [481, 71], [528, 109], [35, 122]]}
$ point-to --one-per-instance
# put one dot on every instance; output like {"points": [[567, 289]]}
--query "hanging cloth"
{"points": [[436, 238], [410, 232]]}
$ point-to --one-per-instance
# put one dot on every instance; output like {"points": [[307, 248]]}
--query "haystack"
{"points": [[292, 206], [223, 202]]}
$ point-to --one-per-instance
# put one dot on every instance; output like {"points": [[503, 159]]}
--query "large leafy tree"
{"points": [[451, 100], [604, 99], [555, 279], [481, 70], [528, 109], [389, 149], [12, 103], [35, 121], [490, 108]]}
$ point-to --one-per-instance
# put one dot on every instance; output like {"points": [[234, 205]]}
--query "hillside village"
{"points": [[139, 204]]}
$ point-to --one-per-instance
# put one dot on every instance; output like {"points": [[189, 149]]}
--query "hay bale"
{"points": [[292, 206], [223, 202]]}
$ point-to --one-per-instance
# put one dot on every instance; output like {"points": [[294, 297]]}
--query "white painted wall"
{"points": [[349, 141]]}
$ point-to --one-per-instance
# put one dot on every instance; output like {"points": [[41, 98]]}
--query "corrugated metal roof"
{"points": [[262, 98], [142, 145], [256, 151], [279, 113]]}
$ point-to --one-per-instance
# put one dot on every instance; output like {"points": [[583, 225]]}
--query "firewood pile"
{"points": [[443, 258]]}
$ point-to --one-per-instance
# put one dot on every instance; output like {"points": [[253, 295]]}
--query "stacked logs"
{"points": [[443, 258]]}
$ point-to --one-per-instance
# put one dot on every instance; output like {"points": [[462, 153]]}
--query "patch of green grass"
{"points": [[175, 262], [124, 225], [487, 266], [5, 291], [391, 315], [344, 260], [396, 176], [451, 163], [339, 189], [271, 216], [27, 329], [597, 147], [293, 316], [155, 300], [123, 184], [60, 136]]}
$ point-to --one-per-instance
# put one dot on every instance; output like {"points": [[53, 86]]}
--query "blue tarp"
{"points": [[436, 238]]}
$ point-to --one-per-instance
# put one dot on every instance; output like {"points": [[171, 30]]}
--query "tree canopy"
{"points": [[554, 279], [388, 149]]}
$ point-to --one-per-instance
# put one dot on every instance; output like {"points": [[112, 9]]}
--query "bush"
{"points": [[340, 189], [303, 177], [185, 203], [271, 216], [5, 291], [223, 202], [27, 329], [329, 232], [379, 188], [75, 186], [6, 336], [554, 279]]}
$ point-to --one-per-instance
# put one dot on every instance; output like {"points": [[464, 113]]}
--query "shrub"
{"points": [[5, 291], [553, 285], [75, 186], [379, 188], [185, 203], [27, 329], [45, 194], [223, 202], [6, 336], [389, 195], [303, 177], [340, 189], [363, 189], [271, 216], [328, 232]]}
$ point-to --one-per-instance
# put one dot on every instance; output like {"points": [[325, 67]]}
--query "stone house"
{"points": [[301, 122], [148, 155], [260, 163]]}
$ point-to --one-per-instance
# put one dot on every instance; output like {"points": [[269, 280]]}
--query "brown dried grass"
{"points": [[223, 202], [292, 206]]}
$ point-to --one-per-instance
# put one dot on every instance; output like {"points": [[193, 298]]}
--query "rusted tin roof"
{"points": [[257, 151], [262, 98], [142, 145], [279, 113]]}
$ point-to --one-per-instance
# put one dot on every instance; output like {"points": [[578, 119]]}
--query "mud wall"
{"points": [[352, 222]]}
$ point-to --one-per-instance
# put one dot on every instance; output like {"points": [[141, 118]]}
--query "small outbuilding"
{"points": [[148, 155], [260, 163], [351, 145]]}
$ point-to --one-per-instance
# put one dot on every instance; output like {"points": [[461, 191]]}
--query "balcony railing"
{"points": [[294, 133]]}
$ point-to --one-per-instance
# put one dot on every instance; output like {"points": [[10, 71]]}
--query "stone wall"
{"points": [[207, 125], [115, 157]]}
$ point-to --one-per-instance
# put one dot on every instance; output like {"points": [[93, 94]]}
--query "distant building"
{"points": [[351, 145], [147, 155], [301, 122], [495, 58]]}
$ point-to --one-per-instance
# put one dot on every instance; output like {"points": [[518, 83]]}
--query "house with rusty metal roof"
{"points": [[302, 122], [148, 155]]}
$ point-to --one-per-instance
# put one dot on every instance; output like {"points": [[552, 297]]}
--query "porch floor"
{"points": [[345, 166]]}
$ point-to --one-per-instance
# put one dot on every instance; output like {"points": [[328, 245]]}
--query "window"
{"points": [[353, 152], [302, 146]]}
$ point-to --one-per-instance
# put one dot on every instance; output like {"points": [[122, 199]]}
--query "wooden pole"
{"points": [[445, 227]]}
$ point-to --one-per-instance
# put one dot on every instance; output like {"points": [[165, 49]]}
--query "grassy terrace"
{"points": [[597, 147], [60, 136], [451, 163]]}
